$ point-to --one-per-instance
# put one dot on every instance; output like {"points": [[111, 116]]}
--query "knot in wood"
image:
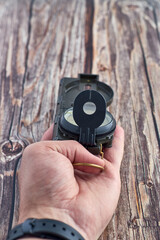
{"points": [[12, 148], [149, 183], [133, 223]]}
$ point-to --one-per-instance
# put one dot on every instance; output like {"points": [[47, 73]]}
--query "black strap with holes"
{"points": [[44, 228]]}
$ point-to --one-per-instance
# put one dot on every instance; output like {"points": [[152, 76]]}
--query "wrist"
{"points": [[44, 229], [35, 238], [53, 214]]}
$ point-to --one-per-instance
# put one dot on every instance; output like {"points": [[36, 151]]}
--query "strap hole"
{"points": [[43, 224], [54, 225], [72, 234], [64, 229], [15, 231]]}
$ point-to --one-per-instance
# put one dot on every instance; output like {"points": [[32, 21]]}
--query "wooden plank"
{"points": [[14, 35], [42, 41], [125, 37]]}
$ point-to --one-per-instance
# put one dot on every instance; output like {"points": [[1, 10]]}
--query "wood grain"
{"points": [[42, 41]]}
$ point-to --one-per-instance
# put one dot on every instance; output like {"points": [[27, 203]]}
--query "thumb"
{"points": [[78, 155]]}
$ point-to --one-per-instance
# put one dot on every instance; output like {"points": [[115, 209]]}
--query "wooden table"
{"points": [[43, 41]]}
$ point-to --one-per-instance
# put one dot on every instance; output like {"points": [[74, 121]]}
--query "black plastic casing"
{"points": [[69, 89]]}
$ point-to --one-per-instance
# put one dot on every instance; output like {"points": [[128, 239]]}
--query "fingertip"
{"points": [[119, 132], [115, 153], [48, 135]]}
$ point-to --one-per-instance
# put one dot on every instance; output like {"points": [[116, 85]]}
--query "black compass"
{"points": [[82, 113]]}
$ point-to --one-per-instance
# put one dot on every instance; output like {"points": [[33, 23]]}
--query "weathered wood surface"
{"points": [[42, 41]]}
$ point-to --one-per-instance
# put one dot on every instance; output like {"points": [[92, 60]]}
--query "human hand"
{"points": [[50, 187]]}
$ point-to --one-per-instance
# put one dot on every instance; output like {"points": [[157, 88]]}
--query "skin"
{"points": [[81, 196]]}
